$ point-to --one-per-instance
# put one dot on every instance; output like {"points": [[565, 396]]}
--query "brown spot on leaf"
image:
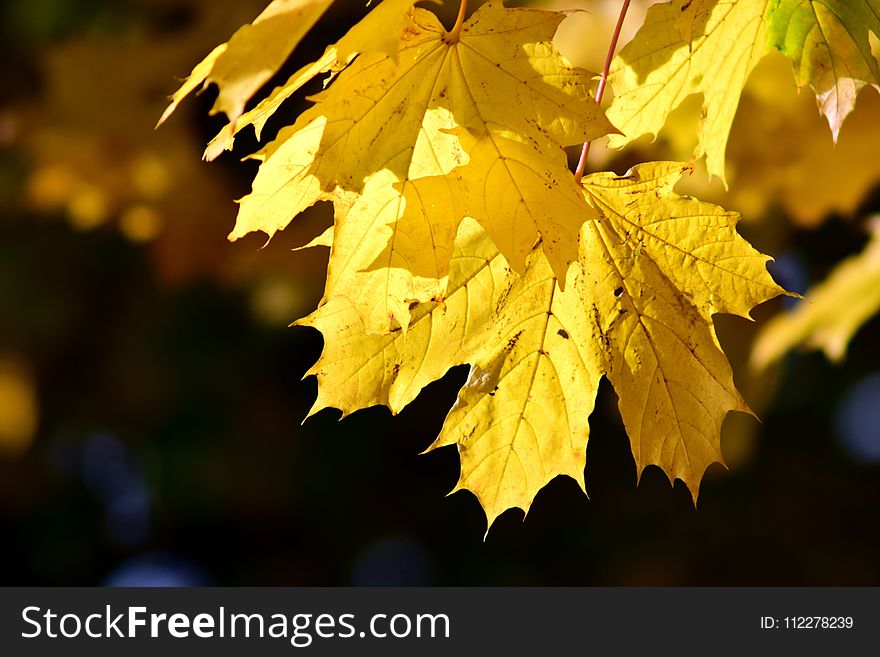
{"points": [[512, 342]]}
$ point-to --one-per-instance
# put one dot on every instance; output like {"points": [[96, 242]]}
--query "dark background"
{"points": [[166, 445]]}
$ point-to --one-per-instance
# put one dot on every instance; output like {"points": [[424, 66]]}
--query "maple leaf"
{"points": [[358, 369], [255, 52], [828, 42], [653, 269], [658, 266], [521, 418], [830, 313], [404, 114]]}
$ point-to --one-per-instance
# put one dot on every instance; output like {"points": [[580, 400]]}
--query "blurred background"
{"points": [[150, 390]]}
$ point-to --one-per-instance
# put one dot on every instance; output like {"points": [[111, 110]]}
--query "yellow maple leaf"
{"points": [[830, 313], [255, 52], [688, 47], [403, 115], [358, 369], [521, 418], [657, 267], [653, 269]]}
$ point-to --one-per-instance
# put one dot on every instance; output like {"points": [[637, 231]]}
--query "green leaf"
{"points": [[828, 42]]}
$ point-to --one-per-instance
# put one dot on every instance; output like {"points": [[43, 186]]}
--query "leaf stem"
{"points": [[600, 90], [453, 34]]}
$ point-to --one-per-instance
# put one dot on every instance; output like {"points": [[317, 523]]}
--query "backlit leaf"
{"points": [[656, 268], [828, 42], [653, 269]]}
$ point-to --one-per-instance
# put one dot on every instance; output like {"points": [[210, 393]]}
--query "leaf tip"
{"points": [[835, 122], [316, 408], [167, 113], [694, 489], [312, 371], [493, 515]]}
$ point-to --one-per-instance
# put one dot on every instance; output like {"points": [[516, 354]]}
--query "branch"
{"points": [[600, 91]]}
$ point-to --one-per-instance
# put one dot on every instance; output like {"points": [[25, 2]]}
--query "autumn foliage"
{"points": [[461, 235]]}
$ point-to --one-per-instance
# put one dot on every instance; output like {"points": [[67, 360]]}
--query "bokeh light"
{"points": [[857, 420]]}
